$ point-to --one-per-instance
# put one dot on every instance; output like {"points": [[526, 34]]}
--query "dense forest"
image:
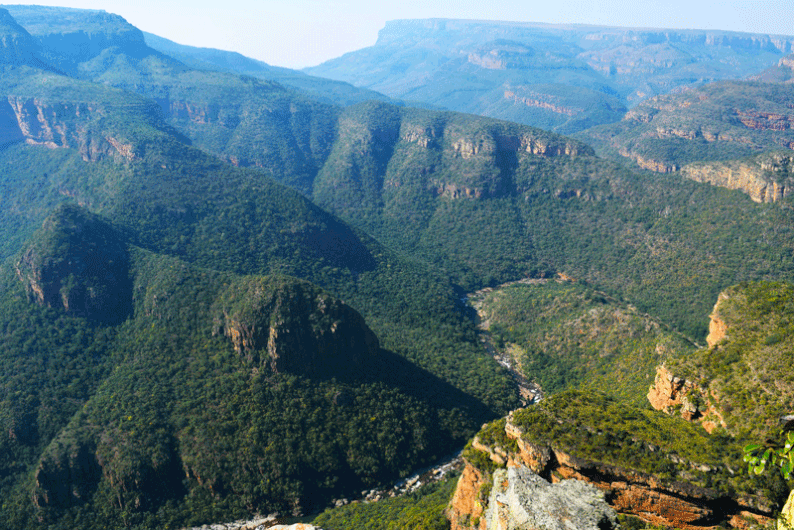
{"points": [[226, 294]]}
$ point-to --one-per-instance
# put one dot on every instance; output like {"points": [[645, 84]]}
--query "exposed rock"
{"points": [[672, 394], [718, 329], [661, 502], [78, 263], [786, 519], [750, 178], [60, 125], [520, 499], [542, 101], [649, 164], [466, 505], [294, 327]]}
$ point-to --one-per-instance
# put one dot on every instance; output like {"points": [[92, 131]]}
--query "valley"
{"points": [[229, 289]]}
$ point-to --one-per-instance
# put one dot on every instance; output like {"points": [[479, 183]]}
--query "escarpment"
{"points": [[767, 178], [636, 458], [61, 125], [749, 333]]}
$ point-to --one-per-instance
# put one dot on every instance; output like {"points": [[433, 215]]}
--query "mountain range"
{"points": [[230, 288]]}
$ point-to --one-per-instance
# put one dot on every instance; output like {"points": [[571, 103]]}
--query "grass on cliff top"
{"points": [[599, 428]]}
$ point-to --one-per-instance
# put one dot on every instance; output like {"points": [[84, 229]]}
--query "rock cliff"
{"points": [[80, 264], [517, 443], [61, 125], [740, 382], [293, 327], [767, 178]]}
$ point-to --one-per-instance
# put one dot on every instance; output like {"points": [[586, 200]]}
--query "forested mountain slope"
{"points": [[719, 121], [167, 340], [428, 181], [323, 351]]}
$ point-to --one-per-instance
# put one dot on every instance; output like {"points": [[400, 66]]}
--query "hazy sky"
{"points": [[299, 33]]}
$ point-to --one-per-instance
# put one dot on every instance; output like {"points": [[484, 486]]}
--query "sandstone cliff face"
{"points": [[767, 179], [294, 328], [60, 125], [668, 503], [694, 402], [542, 101]]}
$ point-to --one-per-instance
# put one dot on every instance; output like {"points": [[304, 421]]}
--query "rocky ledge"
{"points": [[504, 451]]}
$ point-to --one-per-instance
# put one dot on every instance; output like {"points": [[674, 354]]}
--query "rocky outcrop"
{"points": [[662, 502], [764, 180], [79, 264], [294, 327], [542, 102], [467, 506], [520, 499], [718, 329], [60, 125], [648, 163]]}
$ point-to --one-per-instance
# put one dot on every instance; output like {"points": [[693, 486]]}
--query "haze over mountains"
{"points": [[229, 288], [564, 78]]}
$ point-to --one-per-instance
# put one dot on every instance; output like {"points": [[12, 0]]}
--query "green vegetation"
{"points": [[163, 423], [758, 457], [747, 376], [599, 428], [564, 78], [567, 335], [175, 412], [421, 510], [718, 121]]}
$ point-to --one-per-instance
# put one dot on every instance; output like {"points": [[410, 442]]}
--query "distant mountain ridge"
{"points": [[525, 72], [326, 90]]}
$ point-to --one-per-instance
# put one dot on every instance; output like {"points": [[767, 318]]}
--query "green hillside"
{"points": [[263, 392], [743, 381], [111, 151], [566, 335]]}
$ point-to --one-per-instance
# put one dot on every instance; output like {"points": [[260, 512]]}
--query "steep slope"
{"points": [[742, 382], [17, 46], [426, 182], [765, 178], [226, 393], [720, 121], [659, 469], [566, 335], [431, 185], [246, 121], [782, 72], [325, 90], [565, 78]]}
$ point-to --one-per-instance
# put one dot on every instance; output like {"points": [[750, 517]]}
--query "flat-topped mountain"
{"points": [[561, 77]]}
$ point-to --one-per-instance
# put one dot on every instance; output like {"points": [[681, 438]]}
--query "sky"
{"points": [[301, 33]]}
